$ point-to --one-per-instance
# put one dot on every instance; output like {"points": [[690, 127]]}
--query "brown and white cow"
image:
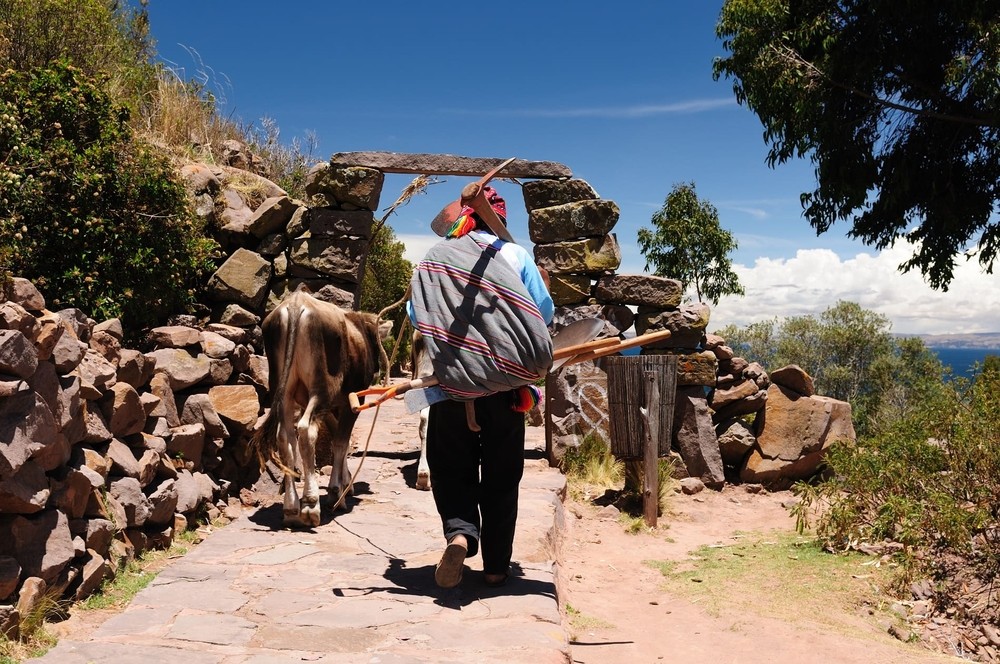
{"points": [[317, 353]]}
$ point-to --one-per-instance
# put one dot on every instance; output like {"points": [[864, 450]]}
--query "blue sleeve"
{"points": [[532, 279]]}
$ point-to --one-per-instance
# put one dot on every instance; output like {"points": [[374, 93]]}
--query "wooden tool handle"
{"points": [[384, 393], [570, 351], [642, 340]]}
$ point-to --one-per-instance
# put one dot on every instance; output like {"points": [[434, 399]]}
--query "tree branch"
{"points": [[790, 54]]}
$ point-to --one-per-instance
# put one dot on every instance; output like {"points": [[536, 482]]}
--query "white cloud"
{"points": [[815, 279], [756, 213], [634, 111], [417, 245]]}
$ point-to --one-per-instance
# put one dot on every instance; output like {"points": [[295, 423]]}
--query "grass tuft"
{"points": [[746, 574]]}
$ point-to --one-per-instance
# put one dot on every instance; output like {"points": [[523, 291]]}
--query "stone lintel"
{"points": [[447, 164]]}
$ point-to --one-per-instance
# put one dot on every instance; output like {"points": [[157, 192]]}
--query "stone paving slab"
{"points": [[357, 588]]}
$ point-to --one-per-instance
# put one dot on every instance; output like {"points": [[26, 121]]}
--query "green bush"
{"points": [[101, 37], [97, 219], [851, 355], [386, 280], [930, 482]]}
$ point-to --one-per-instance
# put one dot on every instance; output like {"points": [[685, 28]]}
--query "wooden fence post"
{"points": [[651, 465], [641, 395]]}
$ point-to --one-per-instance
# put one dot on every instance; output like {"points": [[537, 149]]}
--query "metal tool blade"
{"points": [[418, 399]]}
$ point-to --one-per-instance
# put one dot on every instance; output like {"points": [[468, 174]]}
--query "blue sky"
{"points": [[622, 93]]}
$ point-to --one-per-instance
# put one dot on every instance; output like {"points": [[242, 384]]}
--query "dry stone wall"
{"points": [[571, 227], [107, 451], [274, 244]]}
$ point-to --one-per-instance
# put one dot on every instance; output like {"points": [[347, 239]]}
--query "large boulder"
{"points": [[22, 292], [794, 435], [639, 289], [25, 492], [794, 378], [736, 439], [242, 279], [347, 187], [42, 543], [181, 368], [546, 193], [271, 216], [337, 257], [686, 323], [25, 424], [695, 438], [588, 256], [18, 356], [352, 223]]}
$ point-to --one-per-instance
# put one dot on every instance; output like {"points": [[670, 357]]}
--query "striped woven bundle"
{"points": [[483, 331]]}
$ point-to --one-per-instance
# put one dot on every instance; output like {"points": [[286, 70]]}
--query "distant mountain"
{"points": [[985, 340]]}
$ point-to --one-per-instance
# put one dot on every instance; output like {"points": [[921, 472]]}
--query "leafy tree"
{"points": [[848, 351], [897, 104], [991, 364], [97, 219], [687, 243], [102, 38], [387, 276], [911, 383]]}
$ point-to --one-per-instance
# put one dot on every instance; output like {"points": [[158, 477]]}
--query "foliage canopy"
{"points": [[687, 243], [387, 276], [102, 38], [897, 104], [96, 219], [852, 356]]}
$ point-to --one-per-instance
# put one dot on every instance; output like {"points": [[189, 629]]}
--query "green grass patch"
{"points": [[580, 622], [782, 575], [136, 575]]}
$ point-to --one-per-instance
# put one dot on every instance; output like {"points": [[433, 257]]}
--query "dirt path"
{"points": [[621, 612]]}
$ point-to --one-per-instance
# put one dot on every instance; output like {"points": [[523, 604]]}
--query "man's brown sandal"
{"points": [[448, 572], [494, 580]]}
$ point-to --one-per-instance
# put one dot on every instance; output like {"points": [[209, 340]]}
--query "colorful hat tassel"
{"points": [[462, 225], [526, 398]]}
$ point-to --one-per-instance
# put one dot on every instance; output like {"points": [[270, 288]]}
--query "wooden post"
{"points": [[651, 418], [626, 395], [550, 454]]}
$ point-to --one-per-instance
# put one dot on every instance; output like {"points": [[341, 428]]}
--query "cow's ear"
{"points": [[384, 329]]}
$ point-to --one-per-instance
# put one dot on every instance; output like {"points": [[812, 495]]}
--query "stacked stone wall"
{"points": [[107, 451], [274, 246]]}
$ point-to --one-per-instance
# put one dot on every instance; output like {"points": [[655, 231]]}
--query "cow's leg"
{"points": [[340, 476], [308, 429], [423, 470], [286, 448]]}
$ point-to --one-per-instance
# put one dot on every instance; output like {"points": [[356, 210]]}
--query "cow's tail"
{"points": [[264, 443]]}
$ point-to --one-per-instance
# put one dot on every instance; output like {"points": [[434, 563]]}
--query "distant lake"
{"points": [[962, 360]]}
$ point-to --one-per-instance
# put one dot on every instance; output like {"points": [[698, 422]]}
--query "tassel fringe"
{"points": [[525, 398], [462, 225]]}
